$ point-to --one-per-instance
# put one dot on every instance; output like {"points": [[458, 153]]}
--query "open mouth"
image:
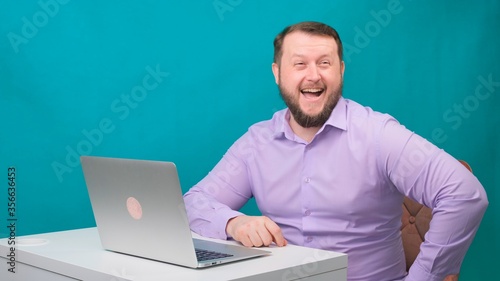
{"points": [[312, 92]]}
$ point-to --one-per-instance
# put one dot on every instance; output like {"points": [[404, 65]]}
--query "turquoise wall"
{"points": [[181, 80]]}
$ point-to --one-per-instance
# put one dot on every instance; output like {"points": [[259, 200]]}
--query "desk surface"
{"points": [[78, 254]]}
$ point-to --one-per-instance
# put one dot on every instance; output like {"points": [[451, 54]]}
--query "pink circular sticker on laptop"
{"points": [[134, 208]]}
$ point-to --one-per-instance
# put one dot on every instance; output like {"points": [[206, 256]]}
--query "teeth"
{"points": [[312, 90]]}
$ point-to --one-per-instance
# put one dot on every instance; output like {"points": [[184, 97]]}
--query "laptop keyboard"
{"points": [[203, 255]]}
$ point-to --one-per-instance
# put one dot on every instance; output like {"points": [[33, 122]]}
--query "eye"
{"points": [[325, 62], [299, 65]]}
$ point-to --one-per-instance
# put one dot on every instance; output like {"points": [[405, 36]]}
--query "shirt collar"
{"points": [[337, 119]]}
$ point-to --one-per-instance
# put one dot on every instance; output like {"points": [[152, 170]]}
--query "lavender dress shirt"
{"points": [[343, 192]]}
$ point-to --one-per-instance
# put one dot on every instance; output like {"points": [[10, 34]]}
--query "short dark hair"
{"points": [[309, 27]]}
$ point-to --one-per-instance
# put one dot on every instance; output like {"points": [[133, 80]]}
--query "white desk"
{"points": [[78, 255]]}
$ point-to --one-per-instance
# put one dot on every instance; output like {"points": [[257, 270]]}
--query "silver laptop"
{"points": [[139, 210]]}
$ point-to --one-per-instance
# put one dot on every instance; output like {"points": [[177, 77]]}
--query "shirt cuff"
{"points": [[220, 222], [417, 273]]}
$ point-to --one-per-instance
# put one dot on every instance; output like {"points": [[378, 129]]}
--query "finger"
{"points": [[243, 237], [240, 230], [246, 241], [275, 232], [265, 236], [256, 239]]}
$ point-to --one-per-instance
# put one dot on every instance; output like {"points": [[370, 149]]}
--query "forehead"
{"points": [[301, 43]]}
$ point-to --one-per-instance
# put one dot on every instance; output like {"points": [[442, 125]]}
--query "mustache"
{"points": [[316, 85]]}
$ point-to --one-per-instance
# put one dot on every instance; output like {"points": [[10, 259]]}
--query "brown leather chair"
{"points": [[415, 223]]}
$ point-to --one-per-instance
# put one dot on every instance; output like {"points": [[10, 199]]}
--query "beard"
{"points": [[302, 118]]}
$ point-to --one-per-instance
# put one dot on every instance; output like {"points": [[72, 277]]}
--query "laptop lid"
{"points": [[139, 210]]}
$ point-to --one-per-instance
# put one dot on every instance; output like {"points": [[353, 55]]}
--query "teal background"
{"points": [[65, 65]]}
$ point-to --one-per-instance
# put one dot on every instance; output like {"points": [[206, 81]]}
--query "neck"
{"points": [[306, 134]]}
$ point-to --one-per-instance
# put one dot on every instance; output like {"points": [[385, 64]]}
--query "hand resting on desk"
{"points": [[255, 231]]}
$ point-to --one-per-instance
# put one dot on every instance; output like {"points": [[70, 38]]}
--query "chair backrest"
{"points": [[415, 223]]}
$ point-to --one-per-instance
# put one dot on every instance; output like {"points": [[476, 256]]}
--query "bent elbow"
{"points": [[481, 201]]}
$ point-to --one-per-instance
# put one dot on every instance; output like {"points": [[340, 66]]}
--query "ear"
{"points": [[276, 72], [342, 68]]}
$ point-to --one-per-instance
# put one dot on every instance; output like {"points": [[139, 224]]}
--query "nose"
{"points": [[312, 73]]}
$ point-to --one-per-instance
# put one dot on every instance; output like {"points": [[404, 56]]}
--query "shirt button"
{"points": [[309, 239], [307, 212], [307, 180]]}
